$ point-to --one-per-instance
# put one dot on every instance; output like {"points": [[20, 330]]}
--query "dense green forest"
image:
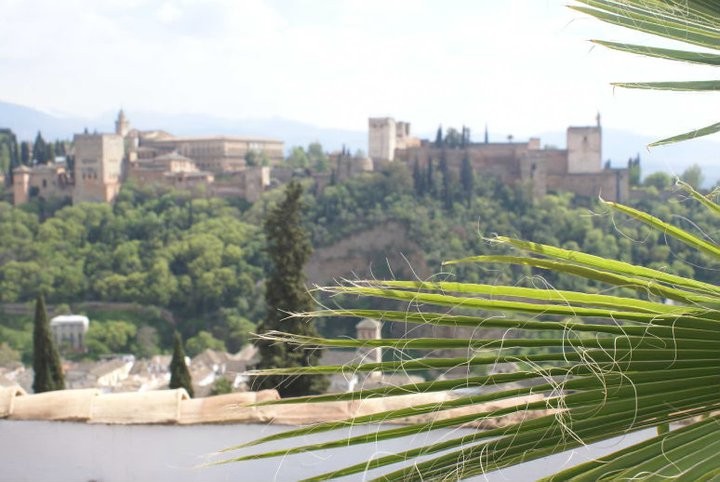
{"points": [[461, 226], [195, 257], [203, 260]]}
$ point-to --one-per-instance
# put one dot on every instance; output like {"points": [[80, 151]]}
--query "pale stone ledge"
{"points": [[175, 407]]}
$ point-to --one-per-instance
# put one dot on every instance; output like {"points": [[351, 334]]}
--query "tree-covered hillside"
{"points": [[195, 257], [456, 225], [204, 260]]}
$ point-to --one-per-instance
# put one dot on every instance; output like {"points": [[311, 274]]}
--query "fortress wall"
{"points": [[555, 160], [506, 166], [49, 183], [546, 169], [534, 171], [501, 160], [610, 184], [90, 193], [143, 176]]}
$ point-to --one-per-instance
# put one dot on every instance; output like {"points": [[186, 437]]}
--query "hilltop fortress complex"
{"points": [[217, 166], [578, 168]]}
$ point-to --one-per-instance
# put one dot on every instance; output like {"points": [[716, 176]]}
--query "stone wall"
{"points": [[555, 160], [610, 184], [510, 163], [142, 176], [44, 182], [249, 184]]}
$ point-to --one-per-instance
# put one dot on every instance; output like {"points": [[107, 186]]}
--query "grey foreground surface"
{"points": [[67, 451]]}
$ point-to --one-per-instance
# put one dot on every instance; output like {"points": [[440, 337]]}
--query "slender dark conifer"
{"points": [[46, 359], [179, 373], [467, 179], [289, 249]]}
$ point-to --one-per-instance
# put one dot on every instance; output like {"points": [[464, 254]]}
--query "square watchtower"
{"points": [[98, 167]]}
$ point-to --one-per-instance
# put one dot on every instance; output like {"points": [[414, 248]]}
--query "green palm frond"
{"points": [[590, 367], [610, 365], [692, 22]]}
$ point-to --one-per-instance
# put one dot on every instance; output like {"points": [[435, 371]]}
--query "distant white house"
{"points": [[70, 330]]}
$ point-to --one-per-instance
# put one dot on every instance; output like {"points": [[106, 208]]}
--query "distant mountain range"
{"points": [[26, 122], [618, 145]]}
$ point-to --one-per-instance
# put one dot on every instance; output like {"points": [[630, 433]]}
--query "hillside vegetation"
{"points": [[204, 260]]}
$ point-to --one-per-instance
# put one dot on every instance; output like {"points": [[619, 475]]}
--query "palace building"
{"points": [[103, 162]]}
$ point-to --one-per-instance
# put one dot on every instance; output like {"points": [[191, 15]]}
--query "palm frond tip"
{"points": [[695, 23]]}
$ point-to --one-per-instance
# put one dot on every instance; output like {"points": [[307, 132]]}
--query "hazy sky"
{"points": [[522, 66]]}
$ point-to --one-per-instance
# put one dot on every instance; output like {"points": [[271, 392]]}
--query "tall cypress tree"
{"points": [[446, 194], [39, 150], [465, 141], [289, 249], [418, 179], [25, 153], [467, 178], [430, 178], [179, 373], [50, 152], [59, 148], [46, 359], [5, 159], [634, 171]]}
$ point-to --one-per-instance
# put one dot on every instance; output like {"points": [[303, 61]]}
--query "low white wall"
{"points": [[69, 451]]}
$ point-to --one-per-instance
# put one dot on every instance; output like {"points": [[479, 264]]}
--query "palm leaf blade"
{"points": [[685, 86], [703, 58], [591, 366]]}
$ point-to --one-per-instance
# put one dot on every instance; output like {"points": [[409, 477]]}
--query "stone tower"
{"points": [[21, 185], [98, 167], [122, 125], [369, 329], [382, 136], [584, 148], [402, 135]]}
